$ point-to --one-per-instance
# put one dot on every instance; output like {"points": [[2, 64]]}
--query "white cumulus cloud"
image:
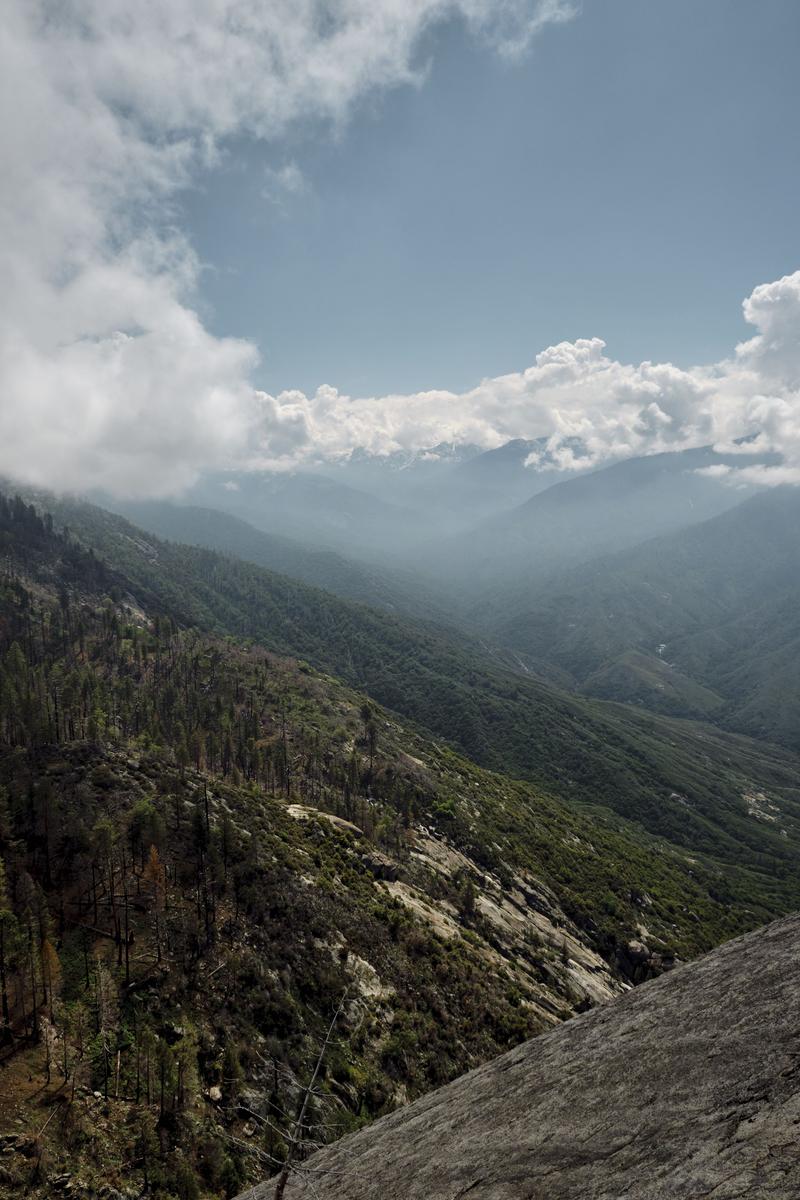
{"points": [[108, 376], [575, 393]]}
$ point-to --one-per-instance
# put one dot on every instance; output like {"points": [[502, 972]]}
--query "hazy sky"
{"points": [[632, 177], [246, 234]]}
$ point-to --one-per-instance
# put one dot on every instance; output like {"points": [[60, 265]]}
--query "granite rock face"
{"points": [[686, 1088]]}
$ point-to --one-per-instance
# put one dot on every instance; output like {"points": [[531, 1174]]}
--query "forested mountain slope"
{"points": [[681, 780], [706, 620], [393, 590], [674, 1091], [685, 781], [205, 848]]}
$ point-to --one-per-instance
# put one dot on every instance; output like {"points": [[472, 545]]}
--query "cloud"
{"points": [[774, 353], [590, 407], [282, 184], [510, 26], [109, 377]]}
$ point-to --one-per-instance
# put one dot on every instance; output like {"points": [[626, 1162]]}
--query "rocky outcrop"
{"points": [[685, 1088], [515, 925]]}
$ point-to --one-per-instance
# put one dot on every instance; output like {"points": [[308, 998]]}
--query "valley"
{"points": [[221, 781]]}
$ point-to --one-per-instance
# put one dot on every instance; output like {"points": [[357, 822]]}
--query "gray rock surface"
{"points": [[687, 1088]]}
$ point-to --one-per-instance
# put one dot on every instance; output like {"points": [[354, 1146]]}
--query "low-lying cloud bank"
{"points": [[575, 393], [108, 376]]}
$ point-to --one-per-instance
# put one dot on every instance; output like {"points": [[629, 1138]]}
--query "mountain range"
{"points": [[704, 620], [455, 762]]}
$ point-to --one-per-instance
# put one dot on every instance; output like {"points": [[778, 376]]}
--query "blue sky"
{"points": [[632, 177]]}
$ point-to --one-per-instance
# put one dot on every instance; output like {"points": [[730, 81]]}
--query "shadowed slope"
{"points": [[687, 1087]]}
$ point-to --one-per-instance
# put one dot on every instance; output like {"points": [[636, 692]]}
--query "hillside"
{"points": [[673, 1091], [701, 622], [581, 519], [317, 509], [392, 590], [683, 781], [204, 847]]}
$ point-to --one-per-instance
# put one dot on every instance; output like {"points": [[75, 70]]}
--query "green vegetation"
{"points": [[705, 622], [683, 781], [204, 845], [637, 678], [172, 939], [383, 588]]}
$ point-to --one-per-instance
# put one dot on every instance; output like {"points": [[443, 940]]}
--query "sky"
{"points": [[632, 177], [249, 234]]}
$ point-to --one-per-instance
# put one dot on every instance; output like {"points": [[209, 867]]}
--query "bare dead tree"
{"points": [[295, 1137]]}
